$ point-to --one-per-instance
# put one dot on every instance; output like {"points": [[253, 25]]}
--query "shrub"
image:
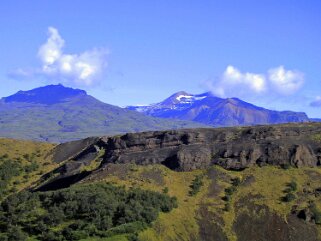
{"points": [[227, 207], [316, 214], [31, 168], [26, 157], [230, 190], [8, 170], [196, 185], [285, 166], [101, 210], [227, 198], [236, 181], [165, 190], [292, 186], [289, 197], [5, 156], [52, 236], [16, 234]]}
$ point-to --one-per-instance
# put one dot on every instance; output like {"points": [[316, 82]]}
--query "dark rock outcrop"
{"points": [[232, 148], [294, 145]]}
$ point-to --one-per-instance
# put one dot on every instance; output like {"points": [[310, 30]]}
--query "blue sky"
{"points": [[140, 52]]}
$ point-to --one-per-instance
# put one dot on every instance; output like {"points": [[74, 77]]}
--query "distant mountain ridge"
{"points": [[211, 110], [315, 119], [57, 113], [50, 94]]}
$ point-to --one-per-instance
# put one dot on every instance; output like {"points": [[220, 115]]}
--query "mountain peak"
{"points": [[176, 98], [50, 94], [208, 109], [181, 93]]}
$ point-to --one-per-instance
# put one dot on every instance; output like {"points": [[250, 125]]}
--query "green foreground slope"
{"points": [[229, 205], [22, 163], [259, 203]]}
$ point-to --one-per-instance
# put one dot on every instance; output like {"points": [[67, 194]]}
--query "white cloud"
{"points": [[316, 102], [234, 83], [51, 51], [286, 81], [256, 82], [83, 69]]}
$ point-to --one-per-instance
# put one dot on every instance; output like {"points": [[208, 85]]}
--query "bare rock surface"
{"points": [[234, 148], [188, 149]]}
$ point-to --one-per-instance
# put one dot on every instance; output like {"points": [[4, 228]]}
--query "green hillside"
{"points": [[22, 163], [147, 203], [227, 199]]}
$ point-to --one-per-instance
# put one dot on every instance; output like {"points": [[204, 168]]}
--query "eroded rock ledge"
{"points": [[188, 149]]}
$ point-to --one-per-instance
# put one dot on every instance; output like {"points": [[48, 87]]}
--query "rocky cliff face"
{"points": [[183, 150], [189, 149], [231, 148]]}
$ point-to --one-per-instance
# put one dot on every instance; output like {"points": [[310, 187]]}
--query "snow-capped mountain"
{"points": [[178, 101], [211, 110]]}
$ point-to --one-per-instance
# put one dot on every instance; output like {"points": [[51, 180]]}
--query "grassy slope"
{"points": [[26, 152], [182, 223]]}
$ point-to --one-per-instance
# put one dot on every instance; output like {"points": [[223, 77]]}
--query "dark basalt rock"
{"points": [[294, 145], [284, 145], [232, 148]]}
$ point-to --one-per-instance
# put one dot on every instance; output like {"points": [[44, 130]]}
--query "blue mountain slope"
{"points": [[211, 110], [57, 113], [49, 95]]}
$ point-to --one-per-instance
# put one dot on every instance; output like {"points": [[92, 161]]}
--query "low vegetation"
{"points": [[82, 211], [196, 185], [22, 163], [290, 192], [132, 202], [8, 170], [316, 213], [229, 192]]}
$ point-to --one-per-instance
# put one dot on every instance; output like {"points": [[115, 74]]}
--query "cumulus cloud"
{"points": [[51, 51], [234, 83], [286, 81], [316, 102], [81, 69]]}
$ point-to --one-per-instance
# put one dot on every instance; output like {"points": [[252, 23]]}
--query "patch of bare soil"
{"points": [[248, 181], [155, 175], [314, 175], [215, 188], [258, 223], [210, 225]]}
